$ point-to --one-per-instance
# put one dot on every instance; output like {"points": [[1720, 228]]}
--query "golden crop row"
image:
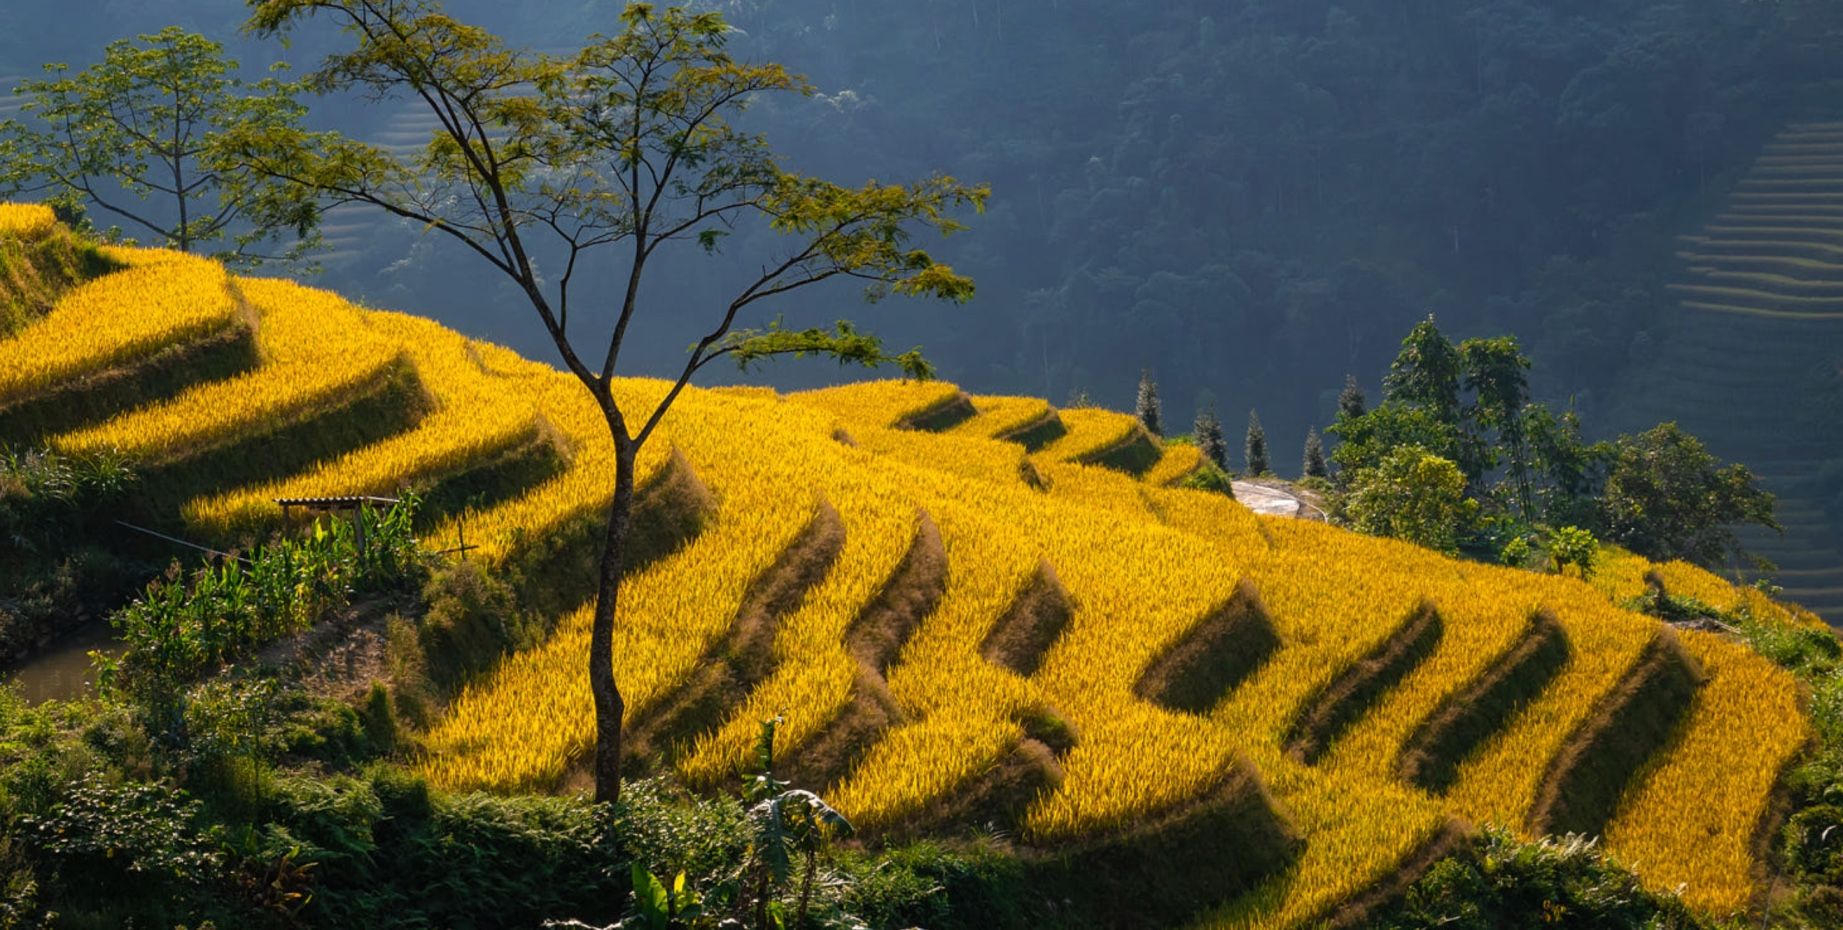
{"points": [[1091, 431], [878, 403], [1094, 486], [1000, 416], [1623, 576], [1179, 460], [966, 456], [1689, 821], [478, 416], [175, 299], [26, 220], [302, 372]]}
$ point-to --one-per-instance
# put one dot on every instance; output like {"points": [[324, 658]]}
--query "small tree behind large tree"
{"points": [[1312, 464], [1425, 373], [604, 159], [1350, 401], [1210, 438], [139, 136], [1146, 406]]}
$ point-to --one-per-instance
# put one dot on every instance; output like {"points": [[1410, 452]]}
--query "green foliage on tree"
{"points": [[597, 163], [1495, 372], [1426, 373], [1527, 469], [141, 136], [1313, 463], [1413, 495], [1209, 436], [1666, 497], [1364, 440], [1571, 470], [1254, 446], [1146, 406], [1573, 546]]}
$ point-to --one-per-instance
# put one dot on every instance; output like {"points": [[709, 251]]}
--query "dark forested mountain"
{"points": [[1250, 198]]}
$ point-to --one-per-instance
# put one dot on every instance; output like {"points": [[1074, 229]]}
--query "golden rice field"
{"points": [[973, 590], [26, 220], [177, 299]]}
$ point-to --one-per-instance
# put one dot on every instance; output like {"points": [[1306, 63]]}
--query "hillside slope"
{"points": [[1751, 360], [971, 612]]}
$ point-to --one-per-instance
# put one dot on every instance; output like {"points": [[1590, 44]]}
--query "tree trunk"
{"points": [[609, 708]]}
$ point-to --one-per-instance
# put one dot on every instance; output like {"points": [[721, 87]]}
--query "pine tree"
{"points": [[1256, 446], [1147, 408], [1350, 402], [1315, 456], [1210, 440]]}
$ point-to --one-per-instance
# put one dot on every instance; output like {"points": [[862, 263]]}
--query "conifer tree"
{"points": [[1315, 456], [1210, 439], [1350, 402], [1147, 407], [1255, 448]]}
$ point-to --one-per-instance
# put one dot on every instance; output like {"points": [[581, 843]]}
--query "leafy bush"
{"points": [[135, 839], [1571, 545], [1413, 495], [1498, 882], [1209, 477], [473, 619]]}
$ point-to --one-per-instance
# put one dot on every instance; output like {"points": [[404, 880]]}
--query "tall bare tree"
{"points": [[605, 158]]}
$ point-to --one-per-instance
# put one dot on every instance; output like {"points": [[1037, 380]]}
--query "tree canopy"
{"points": [[140, 136]]}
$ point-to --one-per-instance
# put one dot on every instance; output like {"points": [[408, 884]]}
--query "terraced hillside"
{"points": [[1752, 358], [972, 612]]}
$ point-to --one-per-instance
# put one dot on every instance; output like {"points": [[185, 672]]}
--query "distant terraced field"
{"points": [[974, 613], [1752, 358]]}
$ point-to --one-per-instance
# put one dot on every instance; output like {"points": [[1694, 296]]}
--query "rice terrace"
{"points": [[891, 652]]}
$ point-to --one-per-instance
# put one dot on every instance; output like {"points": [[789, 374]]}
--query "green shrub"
{"points": [[185, 627], [1499, 882], [472, 621], [135, 839], [379, 721], [1209, 477]]}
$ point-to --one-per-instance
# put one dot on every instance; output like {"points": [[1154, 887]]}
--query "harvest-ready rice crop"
{"points": [[1137, 571], [1003, 416], [1690, 821], [26, 220], [301, 371], [175, 299], [1091, 431], [479, 415], [879, 403], [1177, 462]]}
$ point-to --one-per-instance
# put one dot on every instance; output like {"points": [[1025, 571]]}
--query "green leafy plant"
{"points": [[1571, 545], [788, 824], [186, 626]]}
